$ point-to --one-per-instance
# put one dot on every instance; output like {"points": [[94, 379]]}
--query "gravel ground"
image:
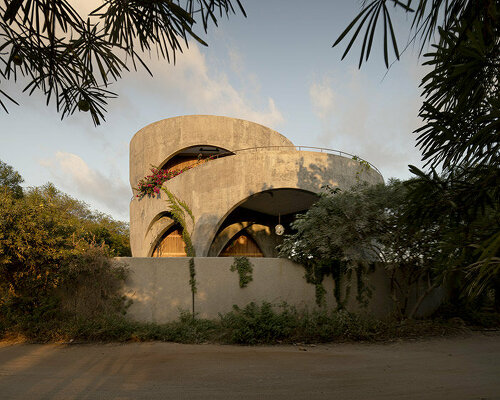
{"points": [[466, 367]]}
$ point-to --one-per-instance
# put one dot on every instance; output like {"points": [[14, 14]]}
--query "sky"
{"points": [[276, 67]]}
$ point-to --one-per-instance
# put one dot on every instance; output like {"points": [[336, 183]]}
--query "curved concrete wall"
{"points": [[157, 142], [215, 188]]}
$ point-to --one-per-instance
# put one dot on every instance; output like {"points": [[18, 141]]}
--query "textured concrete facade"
{"points": [[161, 140], [263, 161]]}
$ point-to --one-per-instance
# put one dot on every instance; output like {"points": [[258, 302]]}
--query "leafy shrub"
{"points": [[254, 324], [267, 324], [251, 325], [89, 287], [54, 253], [92, 283]]}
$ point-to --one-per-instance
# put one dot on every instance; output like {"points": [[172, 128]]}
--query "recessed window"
{"points": [[242, 245], [170, 245], [193, 155]]}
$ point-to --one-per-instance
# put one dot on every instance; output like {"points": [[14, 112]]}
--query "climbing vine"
{"points": [[315, 274], [151, 185], [364, 291], [245, 270], [192, 281], [341, 273], [178, 210], [192, 276], [364, 166]]}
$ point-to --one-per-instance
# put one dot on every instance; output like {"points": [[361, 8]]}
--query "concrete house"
{"points": [[257, 179], [243, 183]]}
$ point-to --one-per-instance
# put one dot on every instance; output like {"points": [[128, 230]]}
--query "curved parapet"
{"points": [[159, 141], [222, 190]]}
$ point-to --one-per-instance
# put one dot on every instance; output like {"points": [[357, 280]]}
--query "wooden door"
{"points": [[171, 245]]}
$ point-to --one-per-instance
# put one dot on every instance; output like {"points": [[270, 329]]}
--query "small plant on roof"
{"points": [[363, 166]]}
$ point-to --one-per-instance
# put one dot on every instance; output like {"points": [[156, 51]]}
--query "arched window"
{"points": [[194, 155], [257, 216], [241, 245], [171, 244]]}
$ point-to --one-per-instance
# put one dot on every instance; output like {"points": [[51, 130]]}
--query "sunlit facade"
{"points": [[254, 180]]}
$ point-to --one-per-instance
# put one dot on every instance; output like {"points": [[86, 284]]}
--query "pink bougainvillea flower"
{"points": [[152, 183]]}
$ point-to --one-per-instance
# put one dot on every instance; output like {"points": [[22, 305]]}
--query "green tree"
{"points": [[55, 254], [461, 110], [355, 228], [44, 237], [462, 199], [10, 180], [461, 106], [35, 238], [73, 59], [102, 229]]}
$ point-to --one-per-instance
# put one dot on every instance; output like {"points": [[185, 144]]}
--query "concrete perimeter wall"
{"points": [[159, 287]]}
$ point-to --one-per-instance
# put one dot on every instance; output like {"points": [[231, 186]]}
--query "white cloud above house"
{"points": [[192, 83], [72, 174], [358, 117]]}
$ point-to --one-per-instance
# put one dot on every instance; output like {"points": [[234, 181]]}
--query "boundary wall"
{"points": [[159, 288]]}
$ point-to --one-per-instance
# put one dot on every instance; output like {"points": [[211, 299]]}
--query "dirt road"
{"points": [[449, 368]]}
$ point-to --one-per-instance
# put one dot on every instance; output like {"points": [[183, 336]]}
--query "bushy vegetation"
{"points": [[251, 325], [55, 256], [256, 324], [459, 135], [423, 233]]}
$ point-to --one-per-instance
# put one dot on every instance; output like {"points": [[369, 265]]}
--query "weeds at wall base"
{"points": [[251, 325]]}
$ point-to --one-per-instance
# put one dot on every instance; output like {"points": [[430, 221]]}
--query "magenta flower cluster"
{"points": [[151, 184]]}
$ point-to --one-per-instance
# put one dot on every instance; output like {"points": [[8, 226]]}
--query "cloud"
{"points": [[73, 174], [192, 84], [371, 119], [322, 99], [248, 80]]}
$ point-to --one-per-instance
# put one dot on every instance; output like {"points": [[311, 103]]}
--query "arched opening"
{"points": [[193, 155], [241, 245], [170, 244], [256, 218], [164, 217]]}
